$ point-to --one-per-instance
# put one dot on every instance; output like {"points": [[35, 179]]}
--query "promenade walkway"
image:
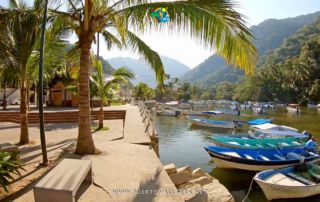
{"points": [[126, 170]]}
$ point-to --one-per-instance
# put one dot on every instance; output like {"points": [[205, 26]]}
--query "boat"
{"points": [[193, 113], [259, 121], [270, 126], [297, 181], [312, 105], [213, 123], [234, 111], [213, 112], [293, 108], [265, 143], [167, 113], [259, 110], [258, 159]]}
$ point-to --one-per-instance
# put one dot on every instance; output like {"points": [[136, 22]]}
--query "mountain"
{"points": [[269, 35], [144, 72]]}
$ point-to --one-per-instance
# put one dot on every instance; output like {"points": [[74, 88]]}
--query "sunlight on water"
{"points": [[182, 144]]}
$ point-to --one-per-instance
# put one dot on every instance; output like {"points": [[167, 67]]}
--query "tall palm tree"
{"points": [[20, 27], [104, 84], [215, 23]]}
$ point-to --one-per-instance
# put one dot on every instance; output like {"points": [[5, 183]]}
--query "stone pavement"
{"points": [[126, 170]]}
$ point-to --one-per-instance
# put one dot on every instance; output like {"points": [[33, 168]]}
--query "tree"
{"points": [[143, 92], [20, 39], [103, 84], [215, 23]]}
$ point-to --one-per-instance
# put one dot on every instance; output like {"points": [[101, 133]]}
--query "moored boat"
{"points": [[292, 182], [167, 113], [258, 159], [213, 123], [270, 126], [293, 108], [265, 143]]}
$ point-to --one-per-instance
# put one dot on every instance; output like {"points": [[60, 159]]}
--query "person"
{"points": [[311, 145]]}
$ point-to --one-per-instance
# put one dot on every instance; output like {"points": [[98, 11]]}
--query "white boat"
{"points": [[318, 106], [270, 126], [167, 113], [259, 110], [172, 103], [293, 108], [212, 123], [289, 182]]}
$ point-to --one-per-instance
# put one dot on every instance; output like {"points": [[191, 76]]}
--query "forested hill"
{"points": [[269, 35], [291, 73]]}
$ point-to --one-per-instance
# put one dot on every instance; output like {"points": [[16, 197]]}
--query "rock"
{"points": [[185, 185], [198, 173], [217, 192], [194, 194], [201, 180], [186, 169], [170, 168], [180, 178]]}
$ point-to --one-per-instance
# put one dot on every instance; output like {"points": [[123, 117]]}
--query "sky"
{"points": [[188, 51]]}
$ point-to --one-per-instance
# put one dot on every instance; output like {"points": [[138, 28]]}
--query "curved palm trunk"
{"points": [[24, 132], [85, 144], [101, 115]]}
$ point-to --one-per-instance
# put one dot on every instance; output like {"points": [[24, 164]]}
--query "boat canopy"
{"points": [[270, 126], [259, 121], [282, 133]]}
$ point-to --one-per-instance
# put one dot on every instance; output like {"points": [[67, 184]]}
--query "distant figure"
{"points": [[311, 145], [306, 133], [191, 105]]}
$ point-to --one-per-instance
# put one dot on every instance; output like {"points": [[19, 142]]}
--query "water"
{"points": [[182, 144]]}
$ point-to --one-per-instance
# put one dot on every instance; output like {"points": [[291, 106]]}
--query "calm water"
{"points": [[182, 144]]}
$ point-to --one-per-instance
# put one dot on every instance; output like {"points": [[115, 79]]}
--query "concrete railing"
{"points": [[148, 120]]}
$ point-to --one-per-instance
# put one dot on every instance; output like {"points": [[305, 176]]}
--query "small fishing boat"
{"points": [[293, 108], [261, 143], [270, 126], [297, 181], [213, 112], [259, 110], [214, 123], [258, 159], [167, 113], [193, 113]]}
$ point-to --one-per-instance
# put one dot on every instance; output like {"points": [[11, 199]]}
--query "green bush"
{"points": [[8, 167]]}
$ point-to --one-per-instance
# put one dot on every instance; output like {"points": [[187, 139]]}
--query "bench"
{"points": [[300, 179], [279, 157], [63, 181], [264, 158]]}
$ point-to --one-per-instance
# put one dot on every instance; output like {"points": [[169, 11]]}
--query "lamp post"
{"points": [[40, 89]]}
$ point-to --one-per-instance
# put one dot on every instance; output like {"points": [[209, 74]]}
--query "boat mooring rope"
{"points": [[245, 198]]}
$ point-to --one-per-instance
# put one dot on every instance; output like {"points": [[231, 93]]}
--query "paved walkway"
{"points": [[126, 170]]}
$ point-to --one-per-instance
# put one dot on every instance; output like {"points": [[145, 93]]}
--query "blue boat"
{"points": [[259, 121], [260, 159], [213, 123]]}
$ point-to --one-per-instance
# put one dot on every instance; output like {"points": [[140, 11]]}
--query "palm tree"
{"points": [[103, 84], [19, 39], [215, 23]]}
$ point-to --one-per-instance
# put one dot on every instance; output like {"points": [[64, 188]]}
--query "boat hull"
{"points": [[221, 163], [274, 191], [223, 126]]}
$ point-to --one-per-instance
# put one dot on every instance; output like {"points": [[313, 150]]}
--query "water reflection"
{"points": [[182, 144]]}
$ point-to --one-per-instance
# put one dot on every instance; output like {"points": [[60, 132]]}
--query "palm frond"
{"points": [[214, 23], [139, 46]]}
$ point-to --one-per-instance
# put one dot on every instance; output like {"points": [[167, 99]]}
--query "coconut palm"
{"points": [[20, 27], [215, 23], [103, 84]]}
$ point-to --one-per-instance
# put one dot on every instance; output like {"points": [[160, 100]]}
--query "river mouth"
{"points": [[182, 144]]}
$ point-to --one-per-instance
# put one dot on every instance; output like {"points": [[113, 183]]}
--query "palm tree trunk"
{"points": [[4, 102], [101, 115], [24, 132], [85, 144]]}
